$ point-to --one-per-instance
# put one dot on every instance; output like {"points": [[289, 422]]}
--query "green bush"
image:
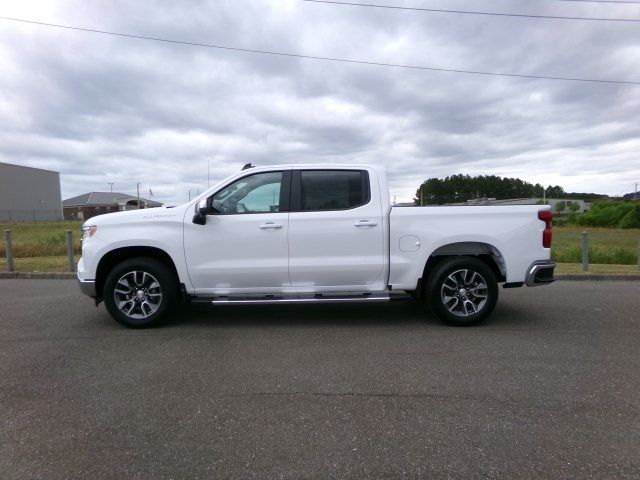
{"points": [[631, 218], [611, 213], [566, 221]]}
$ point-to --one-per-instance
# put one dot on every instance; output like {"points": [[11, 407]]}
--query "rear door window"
{"points": [[333, 189]]}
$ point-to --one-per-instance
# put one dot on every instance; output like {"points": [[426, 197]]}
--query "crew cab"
{"points": [[311, 233]]}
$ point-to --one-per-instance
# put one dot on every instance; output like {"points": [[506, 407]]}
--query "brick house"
{"points": [[91, 204]]}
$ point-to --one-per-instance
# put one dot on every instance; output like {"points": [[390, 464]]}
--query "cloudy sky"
{"points": [[102, 109]]}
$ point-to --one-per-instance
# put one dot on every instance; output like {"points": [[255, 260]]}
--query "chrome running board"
{"points": [[297, 300], [291, 299]]}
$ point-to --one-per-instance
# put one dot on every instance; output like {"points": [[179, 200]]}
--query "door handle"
{"points": [[271, 225], [364, 223]]}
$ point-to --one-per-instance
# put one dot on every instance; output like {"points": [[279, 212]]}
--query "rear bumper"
{"points": [[540, 273]]}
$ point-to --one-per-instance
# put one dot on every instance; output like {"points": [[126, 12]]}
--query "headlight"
{"points": [[89, 231]]}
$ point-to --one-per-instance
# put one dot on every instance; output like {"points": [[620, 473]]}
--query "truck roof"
{"points": [[380, 171], [323, 166]]}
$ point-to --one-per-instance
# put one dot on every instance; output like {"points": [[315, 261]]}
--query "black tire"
{"points": [[150, 279], [462, 291]]}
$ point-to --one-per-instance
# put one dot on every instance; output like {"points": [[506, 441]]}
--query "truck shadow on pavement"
{"points": [[392, 315], [301, 315]]}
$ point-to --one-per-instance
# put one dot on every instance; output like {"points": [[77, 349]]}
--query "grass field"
{"points": [[40, 239], [41, 246], [597, 269], [56, 263], [606, 245]]}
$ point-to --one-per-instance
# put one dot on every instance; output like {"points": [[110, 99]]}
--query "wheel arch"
{"points": [[118, 255], [485, 252]]}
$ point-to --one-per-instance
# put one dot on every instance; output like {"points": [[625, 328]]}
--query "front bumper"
{"points": [[540, 273], [88, 287]]}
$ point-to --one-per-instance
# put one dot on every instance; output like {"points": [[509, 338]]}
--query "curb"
{"points": [[597, 278], [42, 275]]}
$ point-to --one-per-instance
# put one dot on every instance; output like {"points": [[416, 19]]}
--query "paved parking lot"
{"points": [[548, 388]]}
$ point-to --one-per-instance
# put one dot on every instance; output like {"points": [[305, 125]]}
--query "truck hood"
{"points": [[134, 216]]}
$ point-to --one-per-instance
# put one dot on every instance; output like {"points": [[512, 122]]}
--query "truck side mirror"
{"points": [[201, 209]]}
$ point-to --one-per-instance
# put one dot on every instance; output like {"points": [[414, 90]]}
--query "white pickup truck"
{"points": [[311, 233]]}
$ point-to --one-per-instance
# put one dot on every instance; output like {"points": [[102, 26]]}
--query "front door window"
{"points": [[259, 193]]}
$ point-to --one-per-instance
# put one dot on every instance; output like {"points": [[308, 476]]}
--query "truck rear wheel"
{"points": [[139, 291], [462, 291]]}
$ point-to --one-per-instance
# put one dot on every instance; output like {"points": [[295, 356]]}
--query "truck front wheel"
{"points": [[462, 291], [139, 291]]}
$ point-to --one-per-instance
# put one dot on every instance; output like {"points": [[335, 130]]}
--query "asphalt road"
{"points": [[548, 388]]}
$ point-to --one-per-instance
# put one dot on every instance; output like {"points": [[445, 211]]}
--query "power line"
{"points": [[471, 12], [315, 57]]}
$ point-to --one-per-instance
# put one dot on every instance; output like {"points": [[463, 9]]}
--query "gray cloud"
{"points": [[105, 109]]}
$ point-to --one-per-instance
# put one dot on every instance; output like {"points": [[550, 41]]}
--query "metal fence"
{"points": [[71, 258], [71, 261]]}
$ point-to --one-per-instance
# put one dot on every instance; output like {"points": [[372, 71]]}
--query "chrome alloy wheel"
{"points": [[138, 294], [464, 292]]}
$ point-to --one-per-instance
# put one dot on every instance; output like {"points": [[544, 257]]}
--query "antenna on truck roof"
{"points": [[247, 166]]}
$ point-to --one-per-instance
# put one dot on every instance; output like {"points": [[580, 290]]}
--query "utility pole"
{"points": [[635, 193], [421, 196], [189, 194], [110, 186], [138, 188], [544, 195]]}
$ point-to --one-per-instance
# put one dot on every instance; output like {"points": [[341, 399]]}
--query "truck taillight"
{"points": [[547, 217]]}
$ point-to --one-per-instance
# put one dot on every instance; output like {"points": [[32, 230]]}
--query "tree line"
{"points": [[460, 188]]}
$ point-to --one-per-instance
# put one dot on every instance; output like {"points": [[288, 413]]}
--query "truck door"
{"points": [[336, 230], [243, 245]]}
